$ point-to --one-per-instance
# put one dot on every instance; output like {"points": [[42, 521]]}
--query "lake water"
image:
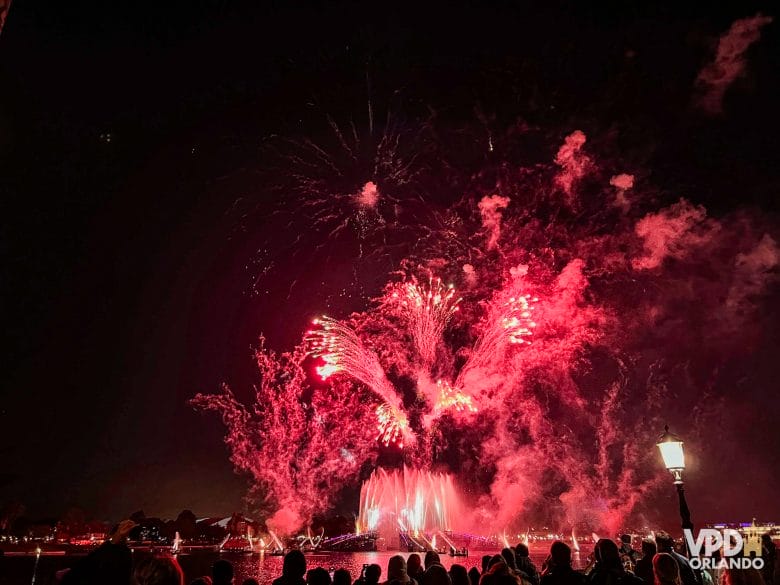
{"points": [[19, 570]]}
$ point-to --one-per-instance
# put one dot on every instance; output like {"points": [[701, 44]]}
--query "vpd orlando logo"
{"points": [[738, 552]]}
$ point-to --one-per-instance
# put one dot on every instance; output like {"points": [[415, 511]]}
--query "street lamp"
{"points": [[671, 448]]}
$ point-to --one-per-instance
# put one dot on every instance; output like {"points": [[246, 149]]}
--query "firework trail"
{"points": [[426, 310], [450, 397], [343, 351], [490, 210], [508, 322]]}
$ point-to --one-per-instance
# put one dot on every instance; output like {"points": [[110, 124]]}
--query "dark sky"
{"points": [[124, 280]]}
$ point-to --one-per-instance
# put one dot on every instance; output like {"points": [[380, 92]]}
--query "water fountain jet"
{"points": [[413, 501]]}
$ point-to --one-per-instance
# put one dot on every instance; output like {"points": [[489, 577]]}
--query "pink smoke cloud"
{"points": [[469, 274], [623, 183], [490, 209], [368, 196], [518, 271], [573, 162], [266, 438], [672, 233], [729, 64], [753, 271], [285, 520]]}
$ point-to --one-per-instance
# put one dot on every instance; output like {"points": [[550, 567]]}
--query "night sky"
{"points": [[131, 133]]}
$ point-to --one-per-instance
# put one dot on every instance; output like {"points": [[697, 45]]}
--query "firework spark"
{"points": [[517, 320], [343, 352], [506, 323], [453, 398], [391, 425], [427, 310]]}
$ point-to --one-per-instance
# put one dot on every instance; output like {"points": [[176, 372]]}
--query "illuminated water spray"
{"points": [[421, 503]]}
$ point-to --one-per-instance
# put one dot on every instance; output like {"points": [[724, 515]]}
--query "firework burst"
{"points": [[450, 397], [542, 381], [343, 352], [426, 311], [392, 425]]}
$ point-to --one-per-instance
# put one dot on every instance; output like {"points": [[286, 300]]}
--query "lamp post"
{"points": [[671, 448]]}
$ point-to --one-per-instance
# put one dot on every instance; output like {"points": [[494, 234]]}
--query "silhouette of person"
{"points": [[293, 569], [558, 569], [665, 544], [222, 572], [644, 566]]}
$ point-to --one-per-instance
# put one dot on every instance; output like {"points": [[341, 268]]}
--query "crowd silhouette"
{"points": [[657, 562]]}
